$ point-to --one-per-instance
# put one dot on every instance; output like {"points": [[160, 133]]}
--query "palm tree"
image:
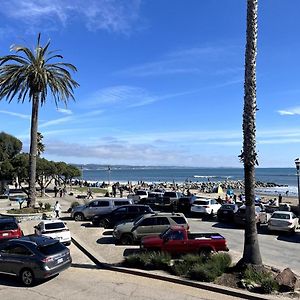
{"points": [[251, 254], [32, 75]]}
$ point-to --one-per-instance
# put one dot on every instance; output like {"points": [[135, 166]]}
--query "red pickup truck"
{"points": [[177, 240]]}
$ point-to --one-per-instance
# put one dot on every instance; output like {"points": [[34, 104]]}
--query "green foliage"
{"points": [[269, 285], [148, 260], [47, 206], [9, 146], [6, 170], [74, 204], [208, 271], [261, 277], [182, 267]]}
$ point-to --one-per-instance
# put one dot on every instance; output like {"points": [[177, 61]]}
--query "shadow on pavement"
{"points": [[84, 266], [107, 232], [128, 252], [289, 237], [65, 218], [10, 281], [224, 225], [88, 225], [106, 240]]}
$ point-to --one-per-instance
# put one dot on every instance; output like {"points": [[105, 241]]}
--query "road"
{"points": [[84, 281], [279, 251]]}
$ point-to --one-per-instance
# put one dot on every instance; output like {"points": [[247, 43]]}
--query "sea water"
{"points": [[281, 176]]}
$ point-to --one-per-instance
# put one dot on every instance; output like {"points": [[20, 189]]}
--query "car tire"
{"points": [[126, 239], [104, 223], [27, 277], [205, 252], [78, 217], [67, 243]]}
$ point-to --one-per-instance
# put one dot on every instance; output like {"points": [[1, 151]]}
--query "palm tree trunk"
{"points": [[33, 148], [251, 254]]}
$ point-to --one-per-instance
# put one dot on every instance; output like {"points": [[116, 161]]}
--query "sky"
{"points": [[161, 82]]}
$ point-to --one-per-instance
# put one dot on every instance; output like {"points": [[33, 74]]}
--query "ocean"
{"points": [[280, 176]]}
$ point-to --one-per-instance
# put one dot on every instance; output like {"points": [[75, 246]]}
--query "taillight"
{"points": [[47, 259]]}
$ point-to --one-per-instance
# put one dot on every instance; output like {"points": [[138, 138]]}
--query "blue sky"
{"points": [[161, 82]]}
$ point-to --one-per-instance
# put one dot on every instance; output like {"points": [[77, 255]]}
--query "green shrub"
{"points": [[180, 268], [222, 260], [159, 260], [134, 261], [204, 272], [252, 274], [47, 206], [269, 285], [192, 259], [74, 204]]}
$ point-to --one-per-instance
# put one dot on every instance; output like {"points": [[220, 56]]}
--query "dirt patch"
{"points": [[229, 279]]}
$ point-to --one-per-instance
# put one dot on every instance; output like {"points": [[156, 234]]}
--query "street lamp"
{"points": [[297, 163]]}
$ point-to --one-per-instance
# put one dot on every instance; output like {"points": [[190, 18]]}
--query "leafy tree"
{"points": [[32, 75], [46, 171], [251, 253], [66, 172], [20, 165], [40, 145], [9, 146]]}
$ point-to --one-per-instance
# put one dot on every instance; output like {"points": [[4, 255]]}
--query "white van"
{"points": [[97, 207]]}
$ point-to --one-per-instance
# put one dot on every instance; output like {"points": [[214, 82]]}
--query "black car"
{"points": [[33, 258], [226, 212], [184, 204], [122, 213]]}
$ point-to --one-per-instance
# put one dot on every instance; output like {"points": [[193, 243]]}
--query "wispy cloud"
{"points": [[56, 122], [197, 60], [11, 113], [112, 16], [129, 96], [65, 111], [290, 111]]}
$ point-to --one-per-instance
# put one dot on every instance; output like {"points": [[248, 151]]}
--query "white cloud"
{"points": [[65, 111], [290, 111], [55, 122], [198, 60], [112, 16], [11, 113]]}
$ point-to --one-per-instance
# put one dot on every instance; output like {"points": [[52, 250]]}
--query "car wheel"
{"points": [[79, 217], [68, 243], [205, 252], [27, 277], [126, 239], [104, 223]]}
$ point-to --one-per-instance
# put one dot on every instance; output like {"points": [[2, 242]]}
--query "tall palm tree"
{"points": [[33, 75], [251, 254]]}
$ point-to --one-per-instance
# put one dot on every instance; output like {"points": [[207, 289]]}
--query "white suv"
{"points": [[205, 206]]}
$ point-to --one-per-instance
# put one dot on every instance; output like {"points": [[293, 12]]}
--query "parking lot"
{"points": [[279, 251]]}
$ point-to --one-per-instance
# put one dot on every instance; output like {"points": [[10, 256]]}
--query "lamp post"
{"points": [[297, 163]]}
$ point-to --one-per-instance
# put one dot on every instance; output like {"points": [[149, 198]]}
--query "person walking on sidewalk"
{"points": [[57, 209]]}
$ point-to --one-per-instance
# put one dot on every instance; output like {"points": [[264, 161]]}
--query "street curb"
{"points": [[205, 286]]}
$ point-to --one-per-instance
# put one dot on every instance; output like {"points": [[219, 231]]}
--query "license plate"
{"points": [[60, 260]]}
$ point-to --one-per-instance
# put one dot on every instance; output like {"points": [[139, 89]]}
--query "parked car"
{"points": [[184, 204], [97, 207], [55, 229], [122, 213], [283, 221], [226, 212], [154, 199], [177, 240], [9, 228], [261, 216], [138, 195], [33, 258], [169, 200], [151, 224], [205, 206]]}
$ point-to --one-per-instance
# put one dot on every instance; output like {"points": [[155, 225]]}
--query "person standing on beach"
{"points": [[279, 198], [55, 191], [57, 209]]}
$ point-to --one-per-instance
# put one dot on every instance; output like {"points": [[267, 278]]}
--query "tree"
{"points": [[9, 147], [40, 145], [251, 253], [32, 75]]}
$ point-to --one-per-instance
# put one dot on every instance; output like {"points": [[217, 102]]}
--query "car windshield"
{"points": [[201, 202], [52, 248], [280, 216], [8, 226], [170, 194], [228, 206], [56, 225]]}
